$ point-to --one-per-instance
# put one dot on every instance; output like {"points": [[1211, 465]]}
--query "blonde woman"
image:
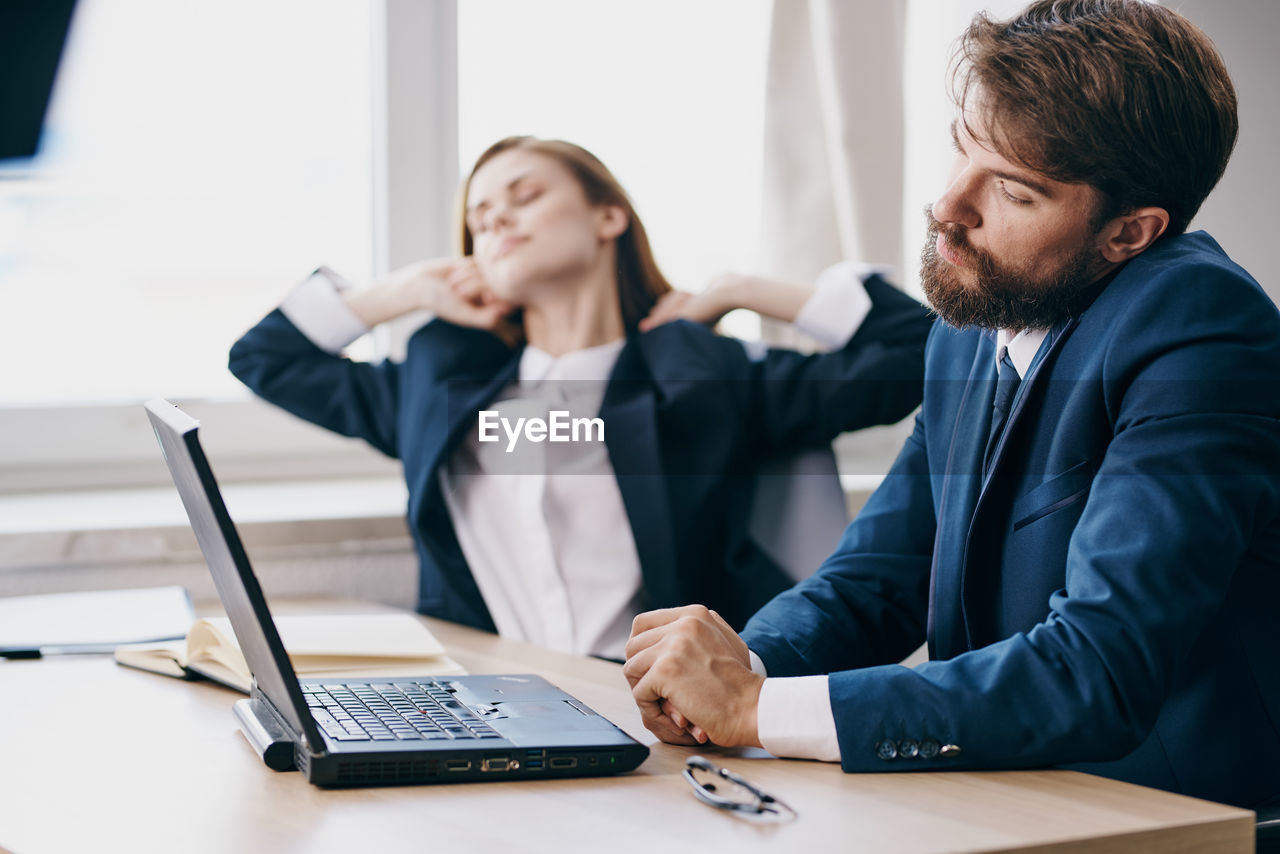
{"points": [[557, 305]]}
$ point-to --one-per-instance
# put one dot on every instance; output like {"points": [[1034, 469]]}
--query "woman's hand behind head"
{"points": [[706, 307], [767, 297], [450, 288], [453, 290], [467, 300]]}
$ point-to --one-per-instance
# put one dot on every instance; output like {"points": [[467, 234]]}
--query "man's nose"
{"points": [[957, 202]]}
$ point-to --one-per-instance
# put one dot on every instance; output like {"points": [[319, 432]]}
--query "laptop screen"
{"points": [[237, 585]]}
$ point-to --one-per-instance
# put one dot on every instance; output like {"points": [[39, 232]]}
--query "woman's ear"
{"points": [[612, 222], [1130, 234]]}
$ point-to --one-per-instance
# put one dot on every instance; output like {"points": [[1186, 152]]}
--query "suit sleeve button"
{"points": [[928, 749], [887, 750], [949, 751], [908, 749]]}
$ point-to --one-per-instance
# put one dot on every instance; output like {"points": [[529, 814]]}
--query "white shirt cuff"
{"points": [[316, 307], [839, 303], [794, 719]]}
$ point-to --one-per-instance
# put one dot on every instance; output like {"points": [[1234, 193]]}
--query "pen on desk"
{"points": [[46, 650]]}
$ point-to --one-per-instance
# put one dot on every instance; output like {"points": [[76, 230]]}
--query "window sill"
{"points": [[346, 536], [160, 507]]}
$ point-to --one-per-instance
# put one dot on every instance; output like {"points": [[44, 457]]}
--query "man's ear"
{"points": [[1132, 233], [613, 221]]}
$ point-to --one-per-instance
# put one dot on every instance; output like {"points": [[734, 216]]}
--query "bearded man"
{"points": [[1085, 523]]}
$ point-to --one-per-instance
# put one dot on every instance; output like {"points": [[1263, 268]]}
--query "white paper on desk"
{"points": [[95, 621]]}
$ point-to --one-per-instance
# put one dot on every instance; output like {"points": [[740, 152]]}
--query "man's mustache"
{"points": [[956, 236]]}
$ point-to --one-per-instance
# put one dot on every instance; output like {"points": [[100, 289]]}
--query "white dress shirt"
{"points": [[1022, 347], [545, 551]]}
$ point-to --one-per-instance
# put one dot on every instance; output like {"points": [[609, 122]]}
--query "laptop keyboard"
{"points": [[404, 711]]}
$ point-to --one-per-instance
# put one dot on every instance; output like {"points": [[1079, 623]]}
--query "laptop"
{"points": [[384, 731]]}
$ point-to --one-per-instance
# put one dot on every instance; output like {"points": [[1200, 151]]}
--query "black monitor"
{"points": [[32, 35]]}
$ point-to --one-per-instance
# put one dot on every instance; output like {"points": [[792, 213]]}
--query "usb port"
{"points": [[458, 764], [564, 762]]}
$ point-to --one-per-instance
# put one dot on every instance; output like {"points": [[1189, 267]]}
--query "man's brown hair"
{"points": [[1126, 96]]}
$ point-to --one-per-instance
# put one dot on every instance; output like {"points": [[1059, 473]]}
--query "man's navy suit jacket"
{"points": [[1109, 598], [688, 418]]}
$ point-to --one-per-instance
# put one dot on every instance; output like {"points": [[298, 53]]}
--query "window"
{"points": [[196, 159], [193, 167]]}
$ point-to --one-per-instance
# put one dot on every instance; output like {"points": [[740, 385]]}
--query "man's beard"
{"points": [[1001, 297]]}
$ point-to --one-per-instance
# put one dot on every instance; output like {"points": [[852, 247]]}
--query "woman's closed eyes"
{"points": [[520, 192]]}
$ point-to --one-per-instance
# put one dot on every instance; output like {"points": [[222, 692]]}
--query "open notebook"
{"points": [[364, 645]]}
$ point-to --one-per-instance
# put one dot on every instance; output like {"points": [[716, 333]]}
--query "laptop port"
{"points": [[499, 763], [457, 764], [564, 762]]}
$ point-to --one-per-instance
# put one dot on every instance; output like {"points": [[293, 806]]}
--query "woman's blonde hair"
{"points": [[640, 282]]}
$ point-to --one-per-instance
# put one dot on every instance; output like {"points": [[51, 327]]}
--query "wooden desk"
{"points": [[97, 757]]}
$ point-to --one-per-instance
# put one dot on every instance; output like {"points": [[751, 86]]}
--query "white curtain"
{"points": [[856, 138], [833, 135]]}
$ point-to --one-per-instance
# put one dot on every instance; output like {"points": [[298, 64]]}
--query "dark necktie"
{"points": [[1007, 380]]}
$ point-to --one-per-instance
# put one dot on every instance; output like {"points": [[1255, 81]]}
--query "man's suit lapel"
{"points": [[961, 486], [629, 412]]}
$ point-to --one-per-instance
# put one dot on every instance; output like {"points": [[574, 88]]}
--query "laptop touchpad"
{"points": [[550, 721], [538, 708]]}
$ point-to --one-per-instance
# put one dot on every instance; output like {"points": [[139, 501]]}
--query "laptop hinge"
{"points": [[265, 732]]}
